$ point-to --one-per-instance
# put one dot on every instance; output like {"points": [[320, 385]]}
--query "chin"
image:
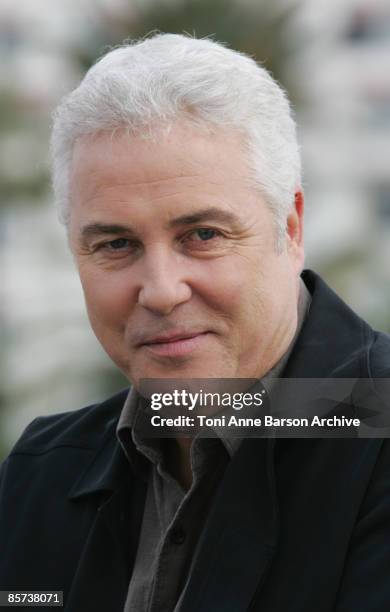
{"points": [[177, 369]]}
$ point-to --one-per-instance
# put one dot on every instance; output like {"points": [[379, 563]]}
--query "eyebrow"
{"points": [[208, 214], [92, 230]]}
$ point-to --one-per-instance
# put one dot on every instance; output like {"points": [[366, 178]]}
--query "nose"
{"points": [[163, 284]]}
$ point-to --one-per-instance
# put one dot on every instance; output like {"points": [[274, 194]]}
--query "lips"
{"points": [[174, 343], [171, 337]]}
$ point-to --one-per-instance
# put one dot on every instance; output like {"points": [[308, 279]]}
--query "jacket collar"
{"points": [[334, 341], [109, 467]]}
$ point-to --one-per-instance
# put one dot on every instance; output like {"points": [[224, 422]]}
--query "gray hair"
{"points": [[168, 77]]}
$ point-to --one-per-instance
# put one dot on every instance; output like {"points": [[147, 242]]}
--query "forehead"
{"points": [[184, 146], [173, 171]]}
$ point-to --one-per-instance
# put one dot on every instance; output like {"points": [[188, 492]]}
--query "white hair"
{"points": [[169, 77]]}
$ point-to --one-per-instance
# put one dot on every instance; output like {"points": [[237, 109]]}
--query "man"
{"points": [[176, 166]]}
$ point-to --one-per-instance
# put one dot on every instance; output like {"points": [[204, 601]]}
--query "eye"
{"points": [[119, 247], [203, 234], [117, 244]]}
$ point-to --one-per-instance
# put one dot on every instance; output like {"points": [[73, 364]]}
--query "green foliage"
{"points": [[23, 121], [263, 29], [32, 188]]}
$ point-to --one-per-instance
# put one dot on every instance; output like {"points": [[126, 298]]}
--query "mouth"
{"points": [[175, 344]]}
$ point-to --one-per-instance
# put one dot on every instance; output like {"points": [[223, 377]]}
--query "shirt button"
{"points": [[177, 536]]}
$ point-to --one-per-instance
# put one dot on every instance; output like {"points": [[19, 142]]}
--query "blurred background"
{"points": [[333, 59]]}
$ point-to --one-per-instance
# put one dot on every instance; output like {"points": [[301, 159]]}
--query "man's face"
{"points": [[176, 255]]}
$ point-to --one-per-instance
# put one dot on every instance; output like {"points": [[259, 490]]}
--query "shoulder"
{"points": [[83, 428], [335, 341], [51, 485], [54, 452]]}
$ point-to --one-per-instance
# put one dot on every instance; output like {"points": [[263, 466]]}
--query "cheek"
{"points": [[255, 290], [233, 290], [224, 285], [273, 291], [107, 303]]}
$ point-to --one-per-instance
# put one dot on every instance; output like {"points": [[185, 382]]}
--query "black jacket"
{"points": [[295, 525]]}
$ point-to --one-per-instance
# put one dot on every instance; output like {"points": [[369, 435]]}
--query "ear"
{"points": [[295, 232]]}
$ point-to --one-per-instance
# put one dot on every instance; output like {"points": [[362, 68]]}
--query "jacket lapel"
{"points": [[103, 573], [102, 577], [240, 536]]}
